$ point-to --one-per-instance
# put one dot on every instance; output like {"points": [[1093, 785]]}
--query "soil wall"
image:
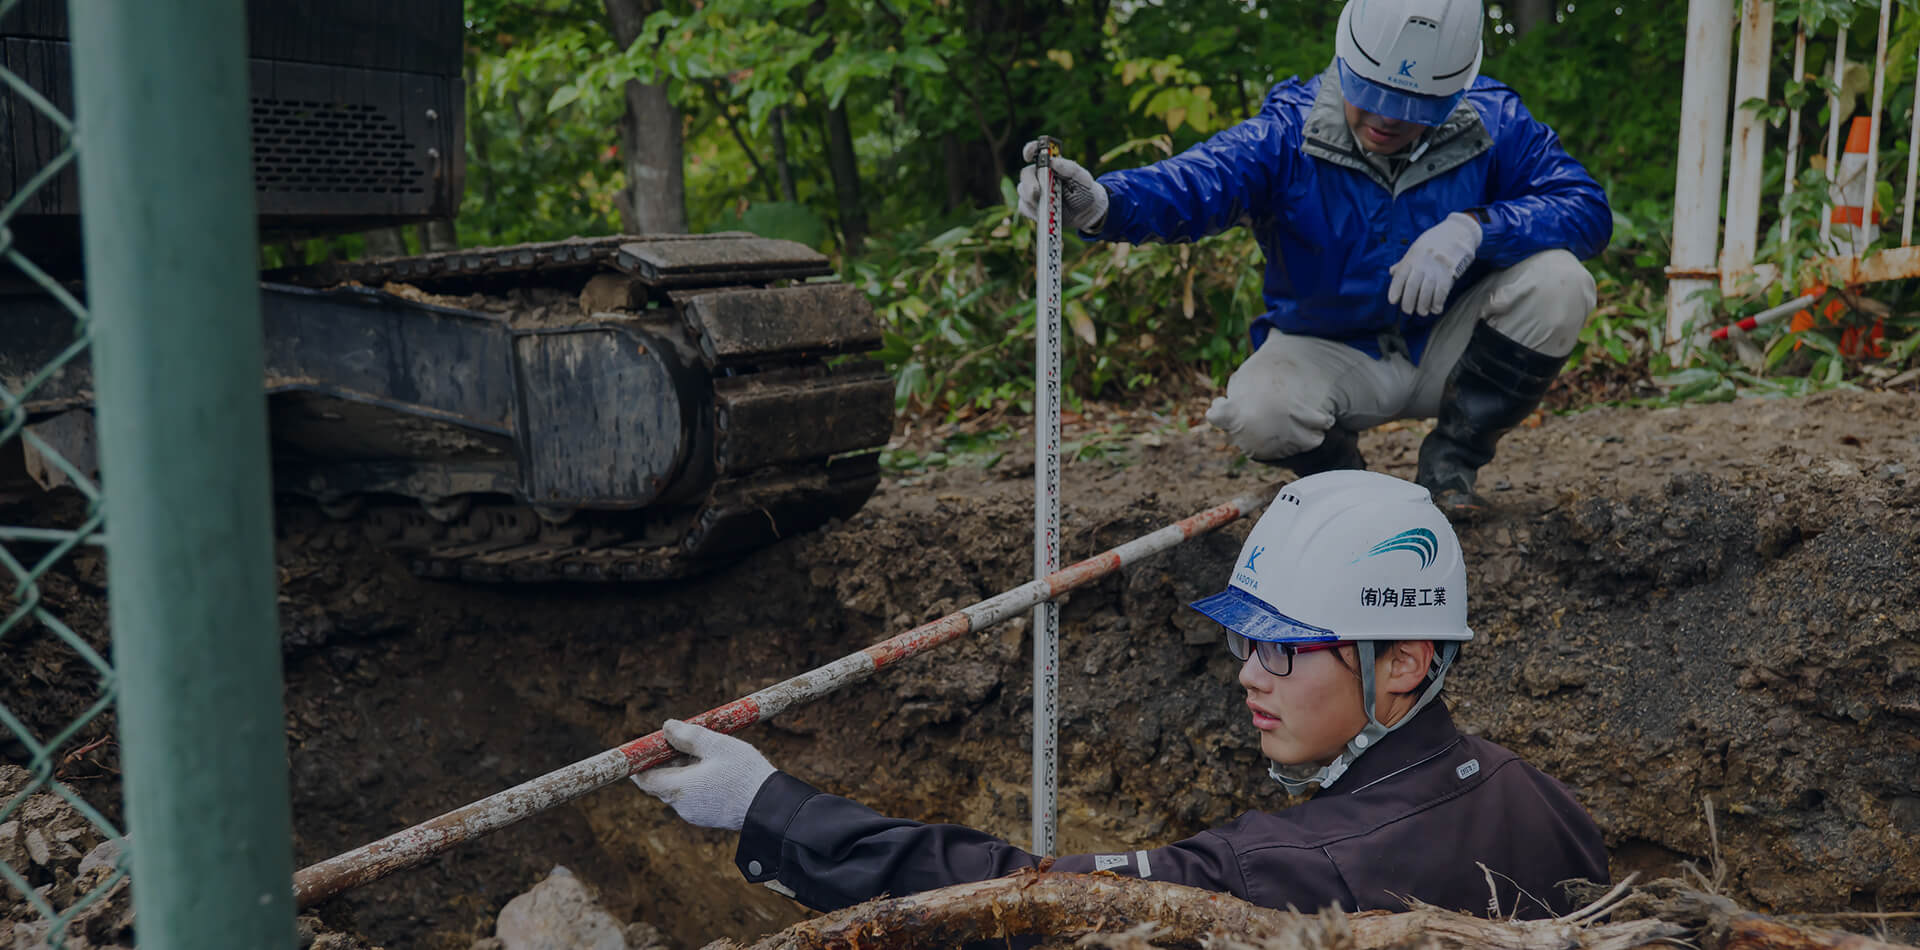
{"points": [[1671, 606]]}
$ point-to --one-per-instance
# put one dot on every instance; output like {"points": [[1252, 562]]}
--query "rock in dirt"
{"points": [[13, 845], [311, 933], [561, 913], [105, 855]]}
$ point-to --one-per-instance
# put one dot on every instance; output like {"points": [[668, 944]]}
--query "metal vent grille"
{"points": [[304, 146]]}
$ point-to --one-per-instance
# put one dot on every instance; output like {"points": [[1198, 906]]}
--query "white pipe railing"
{"points": [[1697, 191], [1833, 128], [1873, 122], [1748, 153], [1703, 139], [1793, 135], [1913, 161]]}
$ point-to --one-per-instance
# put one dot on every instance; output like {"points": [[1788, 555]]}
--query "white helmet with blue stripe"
{"points": [[1408, 59], [1350, 556]]}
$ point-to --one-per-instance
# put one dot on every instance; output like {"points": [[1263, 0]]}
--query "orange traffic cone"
{"points": [[1853, 230], [1852, 192], [1804, 319]]}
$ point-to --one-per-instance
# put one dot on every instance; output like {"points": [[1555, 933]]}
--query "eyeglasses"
{"points": [[1275, 658]]}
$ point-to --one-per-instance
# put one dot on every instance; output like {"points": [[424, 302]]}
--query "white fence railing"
{"points": [[1701, 260]]}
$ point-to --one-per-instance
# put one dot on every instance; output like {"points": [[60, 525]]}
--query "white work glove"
{"points": [[1424, 277], [715, 789], [1083, 202]]}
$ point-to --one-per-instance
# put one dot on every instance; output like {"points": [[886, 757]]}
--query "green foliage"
{"points": [[934, 89], [1818, 15], [1607, 79], [1804, 354], [779, 219], [960, 316], [940, 97], [533, 174]]}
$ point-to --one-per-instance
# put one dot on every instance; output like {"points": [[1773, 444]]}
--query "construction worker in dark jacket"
{"points": [[1346, 607], [1422, 235]]}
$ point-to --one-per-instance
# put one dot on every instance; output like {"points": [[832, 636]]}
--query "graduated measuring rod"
{"points": [[1046, 501], [404, 849]]}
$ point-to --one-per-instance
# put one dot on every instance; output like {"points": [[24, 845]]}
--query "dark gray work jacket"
{"points": [[1417, 816]]}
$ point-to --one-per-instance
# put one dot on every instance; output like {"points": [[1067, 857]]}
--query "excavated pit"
{"points": [[1713, 602]]}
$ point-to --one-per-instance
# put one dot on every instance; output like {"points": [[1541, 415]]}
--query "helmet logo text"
{"points": [[1403, 596], [1406, 68], [1257, 551], [1418, 541]]}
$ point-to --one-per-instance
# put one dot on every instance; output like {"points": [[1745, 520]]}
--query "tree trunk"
{"points": [[386, 242], [971, 182], [1528, 14], [437, 235], [655, 199], [785, 167], [842, 162], [837, 136], [956, 170]]}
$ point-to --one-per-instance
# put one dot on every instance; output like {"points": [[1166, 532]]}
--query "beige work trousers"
{"points": [[1290, 391]]}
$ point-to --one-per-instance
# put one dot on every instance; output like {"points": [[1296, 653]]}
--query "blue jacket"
{"points": [[1330, 224]]}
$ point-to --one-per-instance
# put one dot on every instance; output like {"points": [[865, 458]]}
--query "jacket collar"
{"points": [[1430, 733], [1447, 146]]}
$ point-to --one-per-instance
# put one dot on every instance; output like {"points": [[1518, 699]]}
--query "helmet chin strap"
{"points": [[1296, 778]]}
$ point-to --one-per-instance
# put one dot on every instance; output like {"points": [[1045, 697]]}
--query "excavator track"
{"points": [[778, 429], [624, 408], [614, 408]]}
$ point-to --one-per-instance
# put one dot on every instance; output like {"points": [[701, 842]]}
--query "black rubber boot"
{"points": [[1494, 387], [1340, 449]]}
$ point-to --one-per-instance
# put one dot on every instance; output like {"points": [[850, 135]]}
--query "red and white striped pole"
{"points": [[405, 849], [1765, 317]]}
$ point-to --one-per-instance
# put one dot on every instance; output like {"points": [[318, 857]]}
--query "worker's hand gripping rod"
{"points": [[415, 845], [1046, 502]]}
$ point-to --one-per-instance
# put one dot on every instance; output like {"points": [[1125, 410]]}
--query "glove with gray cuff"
{"points": [[1083, 202], [1424, 277], [716, 788]]}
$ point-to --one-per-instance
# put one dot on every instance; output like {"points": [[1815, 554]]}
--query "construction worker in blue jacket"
{"points": [[1422, 233]]}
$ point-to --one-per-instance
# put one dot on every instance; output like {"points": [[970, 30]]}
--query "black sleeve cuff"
{"points": [[774, 807]]}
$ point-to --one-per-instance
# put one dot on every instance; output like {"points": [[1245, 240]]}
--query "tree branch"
{"points": [[726, 115], [1114, 912]]}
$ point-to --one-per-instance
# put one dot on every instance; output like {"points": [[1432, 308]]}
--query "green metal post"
{"points": [[166, 188]]}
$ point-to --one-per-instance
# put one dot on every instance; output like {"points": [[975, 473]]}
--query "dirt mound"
{"points": [[1671, 606]]}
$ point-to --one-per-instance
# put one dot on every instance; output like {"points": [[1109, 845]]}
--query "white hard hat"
{"points": [[1347, 555], [1350, 556], [1408, 59]]}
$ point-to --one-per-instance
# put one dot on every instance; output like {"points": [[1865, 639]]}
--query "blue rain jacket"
{"points": [[1330, 223]]}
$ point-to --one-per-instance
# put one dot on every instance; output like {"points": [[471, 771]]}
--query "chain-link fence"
{"points": [[59, 791], [173, 362]]}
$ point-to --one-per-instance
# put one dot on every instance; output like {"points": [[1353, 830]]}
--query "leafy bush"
{"points": [[959, 313]]}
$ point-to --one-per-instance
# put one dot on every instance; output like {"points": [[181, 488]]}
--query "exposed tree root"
{"points": [[1716, 923], [1123, 913]]}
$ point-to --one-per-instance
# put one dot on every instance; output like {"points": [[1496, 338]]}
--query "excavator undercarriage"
{"points": [[622, 408], [616, 408]]}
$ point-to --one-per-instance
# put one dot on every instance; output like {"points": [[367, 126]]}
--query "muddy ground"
{"points": [[1718, 602]]}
